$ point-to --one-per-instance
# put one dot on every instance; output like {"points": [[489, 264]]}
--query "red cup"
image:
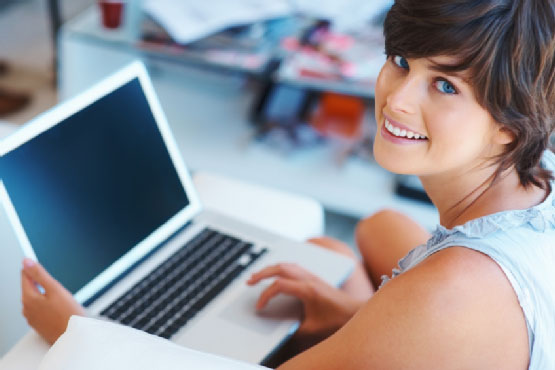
{"points": [[112, 13]]}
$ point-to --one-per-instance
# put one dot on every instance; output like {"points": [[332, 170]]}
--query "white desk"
{"points": [[207, 111]]}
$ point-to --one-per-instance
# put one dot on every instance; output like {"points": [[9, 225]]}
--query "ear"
{"points": [[503, 135]]}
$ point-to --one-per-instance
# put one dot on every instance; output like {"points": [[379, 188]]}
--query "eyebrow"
{"points": [[443, 68]]}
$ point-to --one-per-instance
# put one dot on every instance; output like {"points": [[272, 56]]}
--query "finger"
{"points": [[28, 288], [34, 271], [283, 270], [319, 240], [265, 273], [290, 287]]}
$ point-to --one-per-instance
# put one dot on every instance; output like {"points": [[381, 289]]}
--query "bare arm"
{"points": [[455, 310]]}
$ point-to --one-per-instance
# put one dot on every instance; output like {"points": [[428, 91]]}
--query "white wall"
{"points": [[12, 324]]}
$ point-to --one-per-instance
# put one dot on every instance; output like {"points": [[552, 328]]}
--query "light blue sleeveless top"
{"points": [[522, 242]]}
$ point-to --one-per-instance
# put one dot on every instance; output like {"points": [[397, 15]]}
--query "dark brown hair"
{"points": [[508, 48]]}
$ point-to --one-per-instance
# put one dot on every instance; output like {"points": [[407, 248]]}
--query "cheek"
{"points": [[458, 123], [381, 91], [441, 124], [457, 133]]}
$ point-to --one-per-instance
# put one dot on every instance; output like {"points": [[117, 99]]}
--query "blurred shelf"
{"points": [[208, 114]]}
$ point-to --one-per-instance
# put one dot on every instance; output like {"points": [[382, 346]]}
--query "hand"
{"points": [[326, 308], [49, 312]]}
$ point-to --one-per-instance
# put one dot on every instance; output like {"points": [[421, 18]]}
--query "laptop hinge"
{"points": [[89, 301]]}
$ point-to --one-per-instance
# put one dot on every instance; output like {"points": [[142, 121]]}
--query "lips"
{"points": [[401, 132], [397, 133], [398, 130]]}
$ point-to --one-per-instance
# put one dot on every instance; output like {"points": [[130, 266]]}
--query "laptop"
{"points": [[97, 192]]}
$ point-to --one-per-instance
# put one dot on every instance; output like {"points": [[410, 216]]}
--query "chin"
{"points": [[392, 162]]}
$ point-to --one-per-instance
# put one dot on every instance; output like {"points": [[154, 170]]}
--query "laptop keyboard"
{"points": [[166, 299]]}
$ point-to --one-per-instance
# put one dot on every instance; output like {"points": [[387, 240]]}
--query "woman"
{"points": [[466, 101]]}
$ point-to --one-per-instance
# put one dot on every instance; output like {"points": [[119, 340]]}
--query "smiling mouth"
{"points": [[402, 133]]}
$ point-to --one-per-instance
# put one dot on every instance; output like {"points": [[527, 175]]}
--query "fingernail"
{"points": [[27, 262]]}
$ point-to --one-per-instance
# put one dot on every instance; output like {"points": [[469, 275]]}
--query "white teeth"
{"points": [[402, 132]]}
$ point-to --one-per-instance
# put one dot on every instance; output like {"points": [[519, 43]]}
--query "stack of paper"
{"points": [[190, 20]]}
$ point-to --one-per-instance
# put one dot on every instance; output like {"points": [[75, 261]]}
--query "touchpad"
{"points": [[243, 311]]}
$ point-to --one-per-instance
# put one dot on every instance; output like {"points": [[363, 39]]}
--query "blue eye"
{"points": [[401, 61], [445, 87]]}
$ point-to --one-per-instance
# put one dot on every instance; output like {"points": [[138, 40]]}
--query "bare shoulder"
{"points": [[454, 310]]}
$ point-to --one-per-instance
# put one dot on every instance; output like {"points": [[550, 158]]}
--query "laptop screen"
{"points": [[90, 188]]}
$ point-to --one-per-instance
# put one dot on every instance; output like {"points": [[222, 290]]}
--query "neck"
{"points": [[473, 194]]}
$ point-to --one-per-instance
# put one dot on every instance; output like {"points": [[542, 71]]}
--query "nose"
{"points": [[404, 95]]}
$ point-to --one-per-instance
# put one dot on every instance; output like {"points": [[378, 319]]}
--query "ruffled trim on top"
{"points": [[540, 218]]}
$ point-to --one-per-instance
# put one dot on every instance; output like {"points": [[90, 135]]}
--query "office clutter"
{"points": [[315, 63], [188, 21], [339, 115], [330, 60], [291, 119], [111, 12], [326, 44], [246, 49]]}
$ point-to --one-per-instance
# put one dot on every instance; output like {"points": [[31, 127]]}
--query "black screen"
{"points": [[90, 188]]}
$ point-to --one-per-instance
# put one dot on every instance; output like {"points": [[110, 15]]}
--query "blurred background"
{"points": [[27, 55], [27, 88], [276, 93]]}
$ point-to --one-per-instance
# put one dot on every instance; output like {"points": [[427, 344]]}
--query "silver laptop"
{"points": [[97, 192]]}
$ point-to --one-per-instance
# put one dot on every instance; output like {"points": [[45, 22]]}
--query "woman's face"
{"points": [[429, 122]]}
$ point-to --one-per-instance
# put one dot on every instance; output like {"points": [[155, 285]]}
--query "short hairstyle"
{"points": [[508, 48]]}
